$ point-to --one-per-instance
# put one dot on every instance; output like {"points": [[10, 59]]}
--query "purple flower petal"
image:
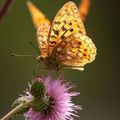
{"points": [[63, 108]]}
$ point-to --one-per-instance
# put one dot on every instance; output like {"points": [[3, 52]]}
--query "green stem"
{"points": [[14, 111]]}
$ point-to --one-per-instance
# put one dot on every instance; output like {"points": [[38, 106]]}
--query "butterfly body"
{"points": [[65, 43], [50, 62]]}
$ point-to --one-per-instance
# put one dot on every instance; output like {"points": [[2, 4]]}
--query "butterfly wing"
{"points": [[66, 22], [42, 38], [75, 51]]}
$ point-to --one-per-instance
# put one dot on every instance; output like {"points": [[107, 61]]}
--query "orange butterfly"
{"points": [[65, 43]]}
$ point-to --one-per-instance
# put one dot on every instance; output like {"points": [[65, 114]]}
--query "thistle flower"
{"points": [[56, 105]]}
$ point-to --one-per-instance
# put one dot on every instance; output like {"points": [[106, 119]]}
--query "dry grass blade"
{"points": [[84, 8]]}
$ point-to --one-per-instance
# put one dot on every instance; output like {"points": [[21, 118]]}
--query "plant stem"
{"points": [[15, 110], [4, 9]]}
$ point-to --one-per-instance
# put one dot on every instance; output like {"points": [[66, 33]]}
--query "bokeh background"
{"points": [[99, 83]]}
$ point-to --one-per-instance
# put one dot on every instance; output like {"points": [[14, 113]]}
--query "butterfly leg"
{"points": [[34, 73], [77, 68], [61, 72]]}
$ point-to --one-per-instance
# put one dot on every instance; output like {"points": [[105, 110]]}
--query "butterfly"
{"points": [[65, 44]]}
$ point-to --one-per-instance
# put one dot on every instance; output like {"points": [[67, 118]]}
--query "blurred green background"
{"points": [[99, 83]]}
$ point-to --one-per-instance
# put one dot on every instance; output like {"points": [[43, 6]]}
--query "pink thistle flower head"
{"points": [[59, 99]]}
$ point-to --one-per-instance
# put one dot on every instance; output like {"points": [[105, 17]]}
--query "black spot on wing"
{"points": [[70, 23], [53, 42], [64, 21], [56, 32], [71, 30], [53, 36], [62, 37], [57, 22], [63, 28], [79, 43]]}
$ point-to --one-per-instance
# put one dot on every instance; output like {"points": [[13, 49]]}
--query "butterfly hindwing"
{"points": [[75, 51], [42, 35]]}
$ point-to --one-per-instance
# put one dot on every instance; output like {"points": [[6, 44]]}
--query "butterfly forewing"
{"points": [[66, 22]]}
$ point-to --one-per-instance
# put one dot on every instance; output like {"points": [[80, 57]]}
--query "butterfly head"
{"points": [[40, 58]]}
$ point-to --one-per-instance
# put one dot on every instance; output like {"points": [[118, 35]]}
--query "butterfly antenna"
{"points": [[34, 73], [17, 55], [33, 45]]}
